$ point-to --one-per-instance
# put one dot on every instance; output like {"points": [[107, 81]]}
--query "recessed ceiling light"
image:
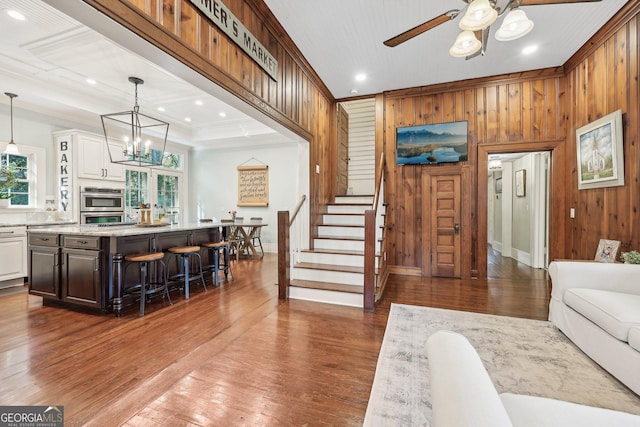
{"points": [[160, 108], [16, 15], [187, 119], [354, 91], [198, 102], [361, 77], [222, 114], [91, 81], [529, 49]]}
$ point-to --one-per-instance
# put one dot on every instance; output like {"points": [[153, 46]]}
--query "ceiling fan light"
{"points": [[466, 44], [515, 25], [479, 15]]}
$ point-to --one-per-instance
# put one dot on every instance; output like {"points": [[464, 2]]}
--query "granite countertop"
{"points": [[125, 230], [37, 223]]}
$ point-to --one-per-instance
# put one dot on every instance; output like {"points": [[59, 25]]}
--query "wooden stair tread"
{"points": [[336, 252], [330, 267], [341, 225], [357, 239], [327, 286]]}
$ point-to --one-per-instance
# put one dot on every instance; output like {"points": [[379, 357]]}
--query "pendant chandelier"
{"points": [[480, 15], [134, 138], [11, 148]]}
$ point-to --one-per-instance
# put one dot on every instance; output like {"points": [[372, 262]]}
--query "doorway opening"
{"points": [[517, 213]]}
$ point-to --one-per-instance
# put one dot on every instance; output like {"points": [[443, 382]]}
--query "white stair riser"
{"points": [[340, 245], [343, 219], [329, 297], [352, 209], [334, 259], [354, 199], [341, 277], [338, 231]]}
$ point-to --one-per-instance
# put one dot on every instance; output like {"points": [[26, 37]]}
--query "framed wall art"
{"points": [[600, 153]]}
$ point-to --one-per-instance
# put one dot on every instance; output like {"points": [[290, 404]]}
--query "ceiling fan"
{"points": [[476, 21]]}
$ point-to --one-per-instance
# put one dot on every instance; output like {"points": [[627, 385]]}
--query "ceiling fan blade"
{"points": [[419, 29], [543, 2]]}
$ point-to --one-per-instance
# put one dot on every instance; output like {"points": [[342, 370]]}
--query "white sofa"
{"points": [[597, 306], [463, 395]]}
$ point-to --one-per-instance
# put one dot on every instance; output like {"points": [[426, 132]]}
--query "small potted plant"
{"points": [[8, 180], [631, 257]]}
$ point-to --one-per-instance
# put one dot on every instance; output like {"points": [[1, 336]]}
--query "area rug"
{"points": [[522, 356]]}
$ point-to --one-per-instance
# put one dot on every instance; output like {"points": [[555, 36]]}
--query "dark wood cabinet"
{"points": [[44, 274], [44, 263], [81, 277]]}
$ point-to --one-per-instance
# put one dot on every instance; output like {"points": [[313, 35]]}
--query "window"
{"points": [[160, 189], [168, 194], [21, 191], [137, 191]]}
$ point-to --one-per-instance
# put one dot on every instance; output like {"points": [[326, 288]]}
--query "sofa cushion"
{"points": [[615, 312], [530, 411], [634, 338]]}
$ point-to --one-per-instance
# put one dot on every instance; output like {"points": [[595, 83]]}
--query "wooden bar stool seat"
{"points": [[214, 252], [182, 254], [150, 284]]}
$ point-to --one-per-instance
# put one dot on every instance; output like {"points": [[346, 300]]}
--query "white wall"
{"points": [[36, 129], [214, 178], [522, 211]]}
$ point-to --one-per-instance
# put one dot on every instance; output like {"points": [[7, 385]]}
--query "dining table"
{"points": [[243, 233]]}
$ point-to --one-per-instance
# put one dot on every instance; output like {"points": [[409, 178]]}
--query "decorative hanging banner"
{"points": [[253, 185], [222, 18]]}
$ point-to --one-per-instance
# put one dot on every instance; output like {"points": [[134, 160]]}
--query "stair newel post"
{"points": [[284, 255], [369, 259]]}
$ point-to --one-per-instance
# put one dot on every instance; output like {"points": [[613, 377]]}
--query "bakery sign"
{"points": [[222, 18]]}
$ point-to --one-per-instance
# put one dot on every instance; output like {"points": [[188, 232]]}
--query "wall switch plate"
{"points": [[317, 168], [572, 213]]}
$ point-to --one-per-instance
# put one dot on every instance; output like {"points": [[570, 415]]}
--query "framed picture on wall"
{"points": [[600, 154], [607, 250], [498, 185], [521, 183]]}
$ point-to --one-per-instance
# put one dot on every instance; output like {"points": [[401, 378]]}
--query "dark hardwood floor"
{"points": [[230, 356]]}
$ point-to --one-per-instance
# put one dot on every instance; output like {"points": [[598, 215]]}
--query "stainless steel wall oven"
{"points": [[101, 205]]}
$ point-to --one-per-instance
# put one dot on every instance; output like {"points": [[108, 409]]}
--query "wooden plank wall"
{"points": [[521, 111], [602, 79], [537, 110], [298, 100]]}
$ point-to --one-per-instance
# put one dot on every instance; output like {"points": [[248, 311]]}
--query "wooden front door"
{"points": [[445, 226], [342, 174]]}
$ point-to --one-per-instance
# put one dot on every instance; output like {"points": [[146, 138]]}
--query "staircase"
{"points": [[333, 272]]}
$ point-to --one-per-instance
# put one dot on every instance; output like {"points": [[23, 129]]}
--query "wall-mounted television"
{"points": [[432, 144]]}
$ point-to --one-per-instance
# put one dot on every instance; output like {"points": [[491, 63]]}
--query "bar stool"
{"points": [[182, 254], [214, 249], [148, 288]]}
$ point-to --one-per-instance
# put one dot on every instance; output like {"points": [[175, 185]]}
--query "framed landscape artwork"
{"points": [[600, 154], [607, 250]]}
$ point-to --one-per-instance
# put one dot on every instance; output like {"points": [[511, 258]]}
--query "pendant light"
{"points": [[480, 14], [134, 138], [515, 25], [466, 44], [11, 148]]}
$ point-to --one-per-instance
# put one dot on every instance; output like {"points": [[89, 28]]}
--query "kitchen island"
{"points": [[82, 266]]}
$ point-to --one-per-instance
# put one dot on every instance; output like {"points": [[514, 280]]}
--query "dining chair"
{"points": [[256, 235]]}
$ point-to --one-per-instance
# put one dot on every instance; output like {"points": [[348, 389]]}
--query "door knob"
{"points": [[456, 228]]}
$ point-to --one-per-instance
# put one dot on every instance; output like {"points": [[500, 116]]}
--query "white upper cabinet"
{"points": [[93, 161]]}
